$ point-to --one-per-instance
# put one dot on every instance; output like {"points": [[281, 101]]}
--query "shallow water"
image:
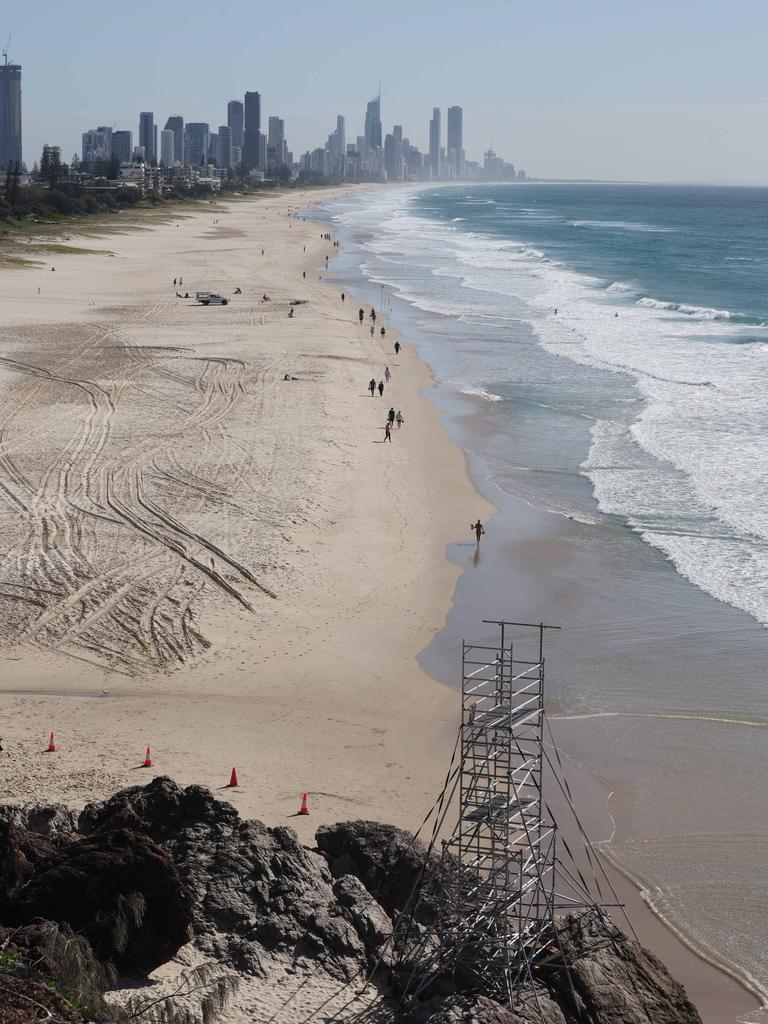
{"points": [[627, 455]]}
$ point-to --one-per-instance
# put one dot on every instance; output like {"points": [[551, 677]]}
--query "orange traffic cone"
{"points": [[51, 743], [233, 779], [304, 809], [147, 759]]}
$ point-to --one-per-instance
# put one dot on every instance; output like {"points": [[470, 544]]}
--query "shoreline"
{"points": [[394, 723], [720, 994], [368, 734]]}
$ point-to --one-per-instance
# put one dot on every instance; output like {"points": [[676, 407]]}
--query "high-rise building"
{"points": [[455, 141], [106, 131], [235, 121], [252, 157], [122, 146], [434, 142], [224, 148], [148, 136], [196, 143], [10, 114], [167, 147], [373, 124], [95, 147], [276, 143], [175, 124]]}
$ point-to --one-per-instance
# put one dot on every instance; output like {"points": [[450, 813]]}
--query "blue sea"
{"points": [[601, 354], [654, 300]]}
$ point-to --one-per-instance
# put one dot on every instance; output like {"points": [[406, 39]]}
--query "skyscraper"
{"points": [[235, 118], [148, 136], [95, 147], [196, 143], [10, 114], [224, 148], [167, 147], [373, 124], [122, 146], [434, 142], [455, 141], [175, 124], [252, 131], [276, 143]]}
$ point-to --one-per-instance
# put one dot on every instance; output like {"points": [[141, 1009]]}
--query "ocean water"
{"points": [[655, 300], [601, 353]]}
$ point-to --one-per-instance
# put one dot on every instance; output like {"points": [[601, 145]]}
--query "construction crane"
{"points": [[5, 51]]}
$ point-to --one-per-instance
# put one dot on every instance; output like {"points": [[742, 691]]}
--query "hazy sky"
{"points": [[659, 90]]}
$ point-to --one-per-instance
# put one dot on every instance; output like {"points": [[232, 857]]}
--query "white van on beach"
{"points": [[211, 298]]}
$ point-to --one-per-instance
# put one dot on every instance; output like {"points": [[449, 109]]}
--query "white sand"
{"points": [[159, 479]]}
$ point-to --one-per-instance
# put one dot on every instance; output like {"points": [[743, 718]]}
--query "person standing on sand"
{"points": [[397, 347], [391, 415], [343, 296], [399, 418], [373, 314], [383, 331], [387, 374], [372, 330], [387, 433], [479, 531], [372, 387], [381, 389], [361, 314], [174, 282]]}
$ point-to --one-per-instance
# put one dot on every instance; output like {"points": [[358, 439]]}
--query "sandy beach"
{"points": [[204, 557], [229, 566]]}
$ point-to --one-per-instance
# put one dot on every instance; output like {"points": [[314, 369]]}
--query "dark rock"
{"points": [[160, 809], [618, 981], [256, 891], [15, 869], [387, 860], [85, 885], [469, 1010], [52, 820]]}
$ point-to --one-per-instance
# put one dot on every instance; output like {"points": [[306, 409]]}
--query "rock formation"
{"points": [[257, 900]]}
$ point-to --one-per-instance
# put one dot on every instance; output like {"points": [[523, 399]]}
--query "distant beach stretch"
{"points": [[609, 397]]}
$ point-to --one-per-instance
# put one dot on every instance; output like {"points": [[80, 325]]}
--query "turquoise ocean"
{"points": [[601, 354]]}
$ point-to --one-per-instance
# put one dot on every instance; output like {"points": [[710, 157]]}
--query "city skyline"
{"points": [[669, 92]]}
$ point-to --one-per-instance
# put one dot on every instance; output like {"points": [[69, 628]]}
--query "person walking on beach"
{"points": [[479, 531], [397, 347], [361, 314], [372, 330], [391, 415], [174, 282], [372, 387], [383, 331], [387, 433], [399, 418], [381, 389], [373, 314], [343, 296], [387, 374]]}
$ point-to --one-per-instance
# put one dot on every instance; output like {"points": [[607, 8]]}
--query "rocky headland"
{"points": [[163, 904]]}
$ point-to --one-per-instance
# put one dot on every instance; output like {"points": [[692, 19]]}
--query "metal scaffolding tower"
{"points": [[501, 879]]}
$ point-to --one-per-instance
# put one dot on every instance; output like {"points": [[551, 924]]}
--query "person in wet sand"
{"points": [[372, 387], [381, 389], [387, 433], [397, 347], [479, 531], [361, 314]]}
